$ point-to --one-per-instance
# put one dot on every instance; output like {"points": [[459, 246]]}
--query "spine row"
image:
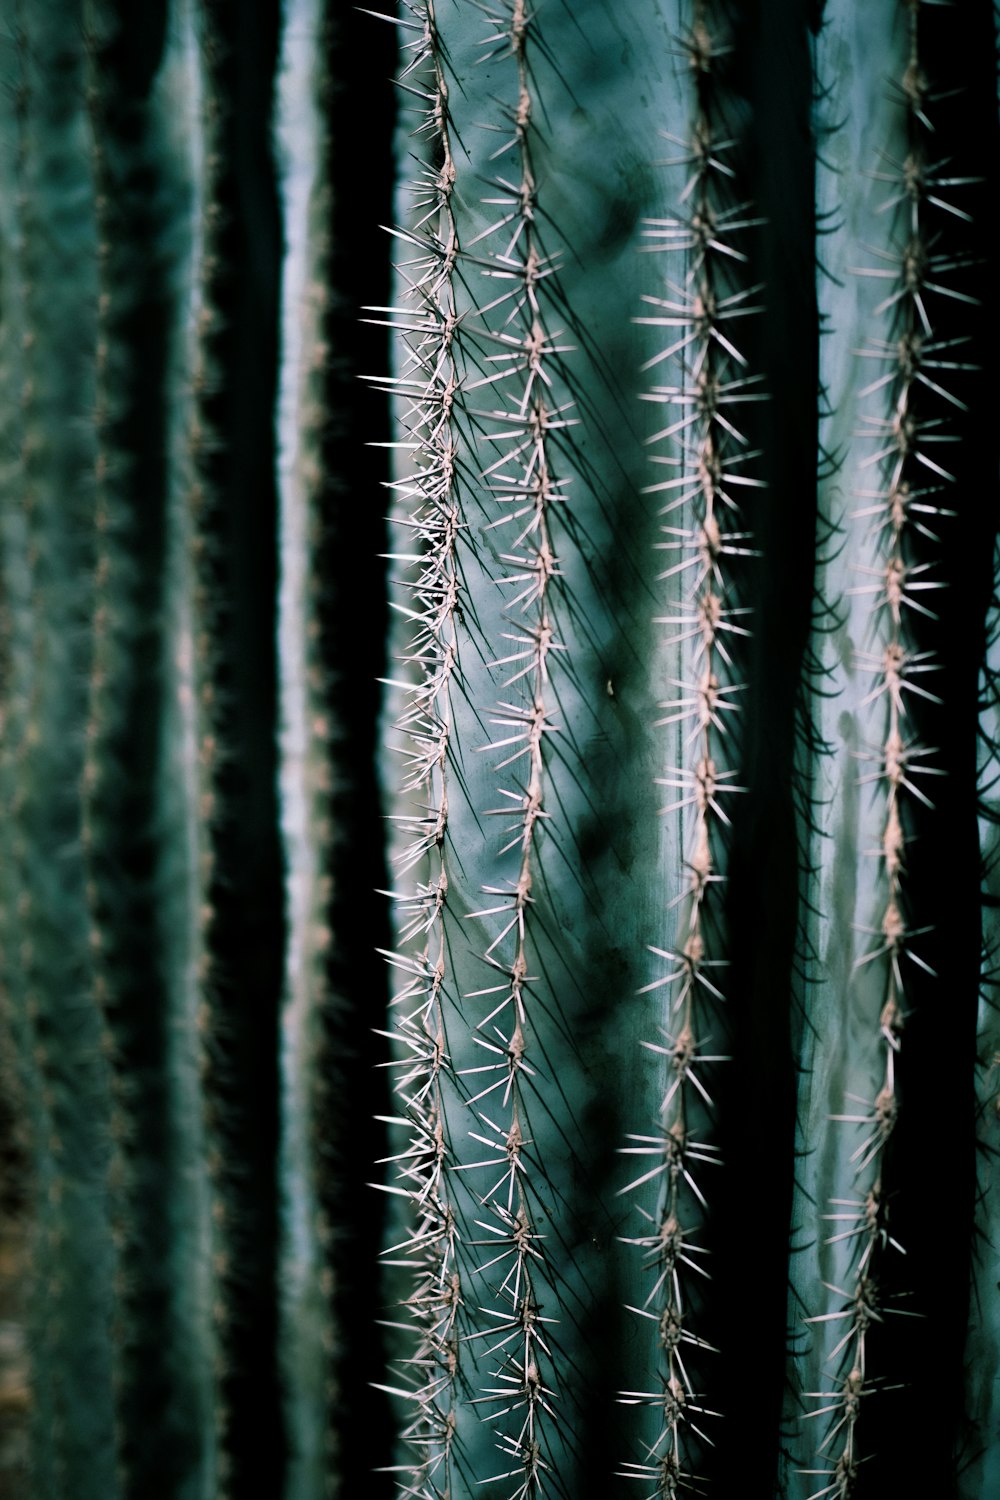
{"points": [[707, 456]]}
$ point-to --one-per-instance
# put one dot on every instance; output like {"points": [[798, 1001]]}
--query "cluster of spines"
{"points": [[429, 387], [709, 453], [521, 365], [898, 511]]}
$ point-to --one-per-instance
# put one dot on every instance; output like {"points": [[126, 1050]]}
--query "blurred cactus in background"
{"points": [[610, 384]]}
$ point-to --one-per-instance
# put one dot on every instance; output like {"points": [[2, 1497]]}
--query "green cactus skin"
{"points": [[631, 891], [113, 621], [186, 876], [846, 1179], [897, 284], [522, 703], [693, 891], [876, 519], [120, 733], [96, 131], [25, 1057], [52, 387], [801, 1025]]}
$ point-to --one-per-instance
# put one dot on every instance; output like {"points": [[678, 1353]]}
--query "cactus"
{"points": [[655, 1155], [724, 675]]}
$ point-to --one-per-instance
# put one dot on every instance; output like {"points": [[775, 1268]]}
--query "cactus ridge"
{"points": [[316, 1015], [52, 261], [520, 1388], [523, 482], [711, 453], [898, 513], [200, 670], [485, 376], [432, 1375]]}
